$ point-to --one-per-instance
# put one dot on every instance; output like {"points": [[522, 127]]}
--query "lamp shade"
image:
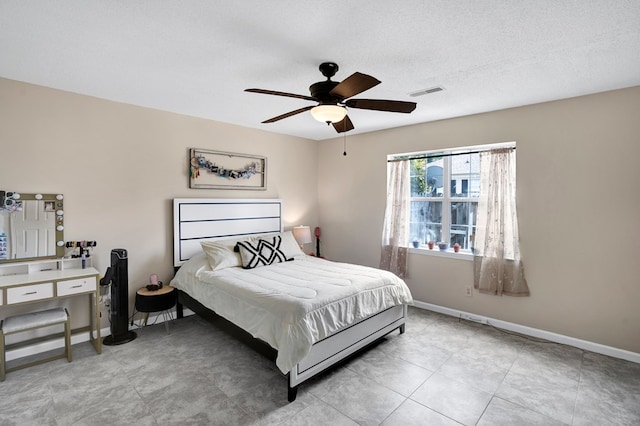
{"points": [[329, 113], [302, 234]]}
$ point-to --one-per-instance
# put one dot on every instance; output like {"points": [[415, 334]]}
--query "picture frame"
{"points": [[226, 170]]}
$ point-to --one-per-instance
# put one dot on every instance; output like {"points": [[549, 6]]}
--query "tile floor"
{"points": [[442, 371]]}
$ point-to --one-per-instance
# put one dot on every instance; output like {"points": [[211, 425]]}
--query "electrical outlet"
{"points": [[468, 291]]}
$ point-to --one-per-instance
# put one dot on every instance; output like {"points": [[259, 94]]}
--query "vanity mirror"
{"points": [[31, 226]]}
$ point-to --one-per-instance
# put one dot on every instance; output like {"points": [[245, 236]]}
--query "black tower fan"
{"points": [[118, 275]]}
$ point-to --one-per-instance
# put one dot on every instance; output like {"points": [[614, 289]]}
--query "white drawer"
{"points": [[80, 285], [27, 293]]}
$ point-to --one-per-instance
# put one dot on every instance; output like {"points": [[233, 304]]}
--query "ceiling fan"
{"points": [[332, 98]]}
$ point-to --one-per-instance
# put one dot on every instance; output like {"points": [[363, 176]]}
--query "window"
{"points": [[445, 186]]}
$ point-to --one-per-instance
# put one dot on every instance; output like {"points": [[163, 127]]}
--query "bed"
{"points": [[234, 258]]}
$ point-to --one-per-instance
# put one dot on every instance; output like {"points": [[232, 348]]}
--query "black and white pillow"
{"points": [[261, 252]]}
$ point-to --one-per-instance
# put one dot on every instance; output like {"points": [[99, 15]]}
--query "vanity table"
{"points": [[29, 282], [32, 264]]}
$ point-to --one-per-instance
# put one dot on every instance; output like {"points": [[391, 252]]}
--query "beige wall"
{"points": [[578, 201], [119, 167]]}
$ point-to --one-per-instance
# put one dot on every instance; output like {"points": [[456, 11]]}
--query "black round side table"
{"points": [[161, 300]]}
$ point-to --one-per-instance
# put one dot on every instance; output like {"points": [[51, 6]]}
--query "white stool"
{"points": [[32, 321]]}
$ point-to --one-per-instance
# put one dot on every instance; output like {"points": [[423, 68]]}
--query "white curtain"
{"points": [[394, 232], [498, 267]]}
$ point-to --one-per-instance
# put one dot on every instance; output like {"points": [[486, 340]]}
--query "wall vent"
{"points": [[426, 91]]}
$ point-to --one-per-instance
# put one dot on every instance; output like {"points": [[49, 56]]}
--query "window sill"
{"points": [[424, 251]]}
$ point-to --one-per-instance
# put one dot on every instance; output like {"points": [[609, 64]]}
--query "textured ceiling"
{"points": [[197, 57]]}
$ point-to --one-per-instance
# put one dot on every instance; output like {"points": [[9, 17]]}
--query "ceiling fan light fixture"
{"points": [[329, 113]]}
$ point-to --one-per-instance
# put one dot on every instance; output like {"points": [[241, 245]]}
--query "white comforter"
{"points": [[294, 304]]}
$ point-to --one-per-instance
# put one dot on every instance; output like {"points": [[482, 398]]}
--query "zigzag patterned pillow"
{"points": [[261, 252]]}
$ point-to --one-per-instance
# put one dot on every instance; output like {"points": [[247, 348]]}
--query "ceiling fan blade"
{"points": [[381, 105], [354, 84], [285, 94], [343, 126], [288, 114]]}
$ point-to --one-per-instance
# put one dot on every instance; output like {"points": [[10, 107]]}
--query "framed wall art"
{"points": [[226, 170]]}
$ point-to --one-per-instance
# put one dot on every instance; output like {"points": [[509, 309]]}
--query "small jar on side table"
{"points": [[161, 300]]}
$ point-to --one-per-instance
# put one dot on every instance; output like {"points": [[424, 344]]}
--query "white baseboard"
{"points": [[155, 318], [534, 332]]}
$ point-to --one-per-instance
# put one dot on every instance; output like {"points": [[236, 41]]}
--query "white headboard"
{"points": [[197, 219]]}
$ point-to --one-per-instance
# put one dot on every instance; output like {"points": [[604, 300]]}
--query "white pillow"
{"points": [[220, 253], [290, 246]]}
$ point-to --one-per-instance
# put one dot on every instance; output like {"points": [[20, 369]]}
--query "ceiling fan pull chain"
{"points": [[344, 141]]}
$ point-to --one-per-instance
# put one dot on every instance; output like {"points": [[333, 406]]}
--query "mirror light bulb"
{"points": [[60, 243], [38, 197], [59, 197], [16, 196], [59, 212], [59, 227]]}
